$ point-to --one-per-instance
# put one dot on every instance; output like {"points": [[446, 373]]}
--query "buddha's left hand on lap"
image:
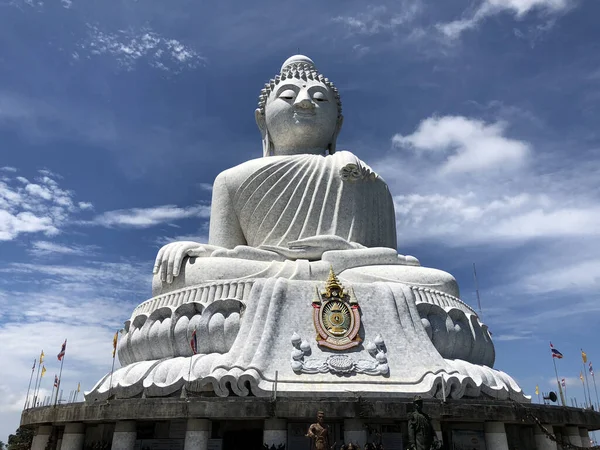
{"points": [[312, 248]]}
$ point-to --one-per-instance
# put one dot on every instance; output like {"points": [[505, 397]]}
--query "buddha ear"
{"points": [[338, 127], [260, 121], [262, 126]]}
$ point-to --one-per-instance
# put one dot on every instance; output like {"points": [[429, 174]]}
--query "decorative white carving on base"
{"points": [[340, 364]]}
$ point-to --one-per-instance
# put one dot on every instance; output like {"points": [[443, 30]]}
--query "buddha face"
{"points": [[301, 117]]}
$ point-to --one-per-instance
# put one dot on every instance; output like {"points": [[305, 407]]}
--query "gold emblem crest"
{"points": [[336, 316]]}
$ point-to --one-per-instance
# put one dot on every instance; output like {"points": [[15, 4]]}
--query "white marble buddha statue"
{"points": [[302, 218], [301, 200]]}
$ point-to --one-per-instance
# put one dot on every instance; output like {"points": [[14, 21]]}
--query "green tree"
{"points": [[21, 440]]}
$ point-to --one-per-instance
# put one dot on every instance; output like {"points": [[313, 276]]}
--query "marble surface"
{"points": [[278, 225]]}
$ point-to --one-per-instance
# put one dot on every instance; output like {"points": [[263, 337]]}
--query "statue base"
{"points": [[256, 337]]}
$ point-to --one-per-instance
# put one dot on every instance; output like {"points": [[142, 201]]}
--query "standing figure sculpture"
{"points": [[421, 435], [319, 433]]}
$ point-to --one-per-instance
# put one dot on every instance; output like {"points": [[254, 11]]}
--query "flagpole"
{"points": [[62, 361], [37, 377], [586, 378], [37, 392], [112, 369], [562, 396], [566, 389], [29, 387], [596, 389], [583, 384], [111, 374]]}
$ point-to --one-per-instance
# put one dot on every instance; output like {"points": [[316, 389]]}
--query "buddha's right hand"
{"points": [[170, 257]]}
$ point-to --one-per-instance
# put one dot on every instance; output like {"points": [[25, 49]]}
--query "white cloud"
{"points": [[148, 217], [377, 19], [468, 144], [477, 219], [8, 169], [85, 205], [40, 207], [488, 8], [129, 46]]}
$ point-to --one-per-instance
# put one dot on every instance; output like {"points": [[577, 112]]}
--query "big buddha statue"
{"points": [[302, 243]]}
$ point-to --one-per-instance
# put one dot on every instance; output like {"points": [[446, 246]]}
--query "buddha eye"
{"points": [[319, 97], [288, 94]]}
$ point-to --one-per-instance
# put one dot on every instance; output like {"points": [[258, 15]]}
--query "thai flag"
{"points": [[194, 343], [61, 355], [563, 382], [555, 353], [591, 369], [55, 381]]}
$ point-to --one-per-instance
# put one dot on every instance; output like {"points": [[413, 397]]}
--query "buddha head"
{"points": [[299, 111]]}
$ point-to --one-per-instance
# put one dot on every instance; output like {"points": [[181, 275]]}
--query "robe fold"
{"points": [[294, 197]]}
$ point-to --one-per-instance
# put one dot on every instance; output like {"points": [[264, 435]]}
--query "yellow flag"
{"points": [[583, 356], [581, 376], [42, 357], [537, 390], [43, 370], [78, 387], [115, 339]]}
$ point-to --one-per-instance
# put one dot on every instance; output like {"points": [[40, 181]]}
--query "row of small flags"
{"points": [[61, 355], [556, 354]]}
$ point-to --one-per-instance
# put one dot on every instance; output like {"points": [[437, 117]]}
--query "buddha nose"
{"points": [[303, 100]]}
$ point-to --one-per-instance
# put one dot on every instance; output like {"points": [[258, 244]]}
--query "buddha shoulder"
{"points": [[344, 163]]}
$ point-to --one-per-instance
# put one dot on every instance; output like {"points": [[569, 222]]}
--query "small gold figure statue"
{"points": [[319, 433]]}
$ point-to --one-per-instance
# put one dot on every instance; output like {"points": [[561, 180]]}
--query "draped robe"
{"points": [[280, 199]]}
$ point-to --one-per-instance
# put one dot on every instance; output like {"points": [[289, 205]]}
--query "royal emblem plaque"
{"points": [[336, 316]]}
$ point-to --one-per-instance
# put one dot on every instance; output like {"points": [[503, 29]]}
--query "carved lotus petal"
{"points": [[297, 354], [378, 340], [305, 346], [371, 348], [296, 339], [384, 369]]}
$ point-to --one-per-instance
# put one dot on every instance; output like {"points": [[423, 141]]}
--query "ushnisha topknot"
{"points": [[302, 68]]}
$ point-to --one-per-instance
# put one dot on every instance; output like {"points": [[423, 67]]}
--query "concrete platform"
{"points": [[228, 423]]}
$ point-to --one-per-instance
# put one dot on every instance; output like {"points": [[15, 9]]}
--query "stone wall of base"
{"points": [[228, 424]]}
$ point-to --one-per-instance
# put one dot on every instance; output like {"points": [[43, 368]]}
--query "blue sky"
{"points": [[115, 118]]}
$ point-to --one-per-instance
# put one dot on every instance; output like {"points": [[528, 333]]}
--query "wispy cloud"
{"points": [[487, 8], [47, 248], [378, 19], [148, 217], [129, 46]]}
